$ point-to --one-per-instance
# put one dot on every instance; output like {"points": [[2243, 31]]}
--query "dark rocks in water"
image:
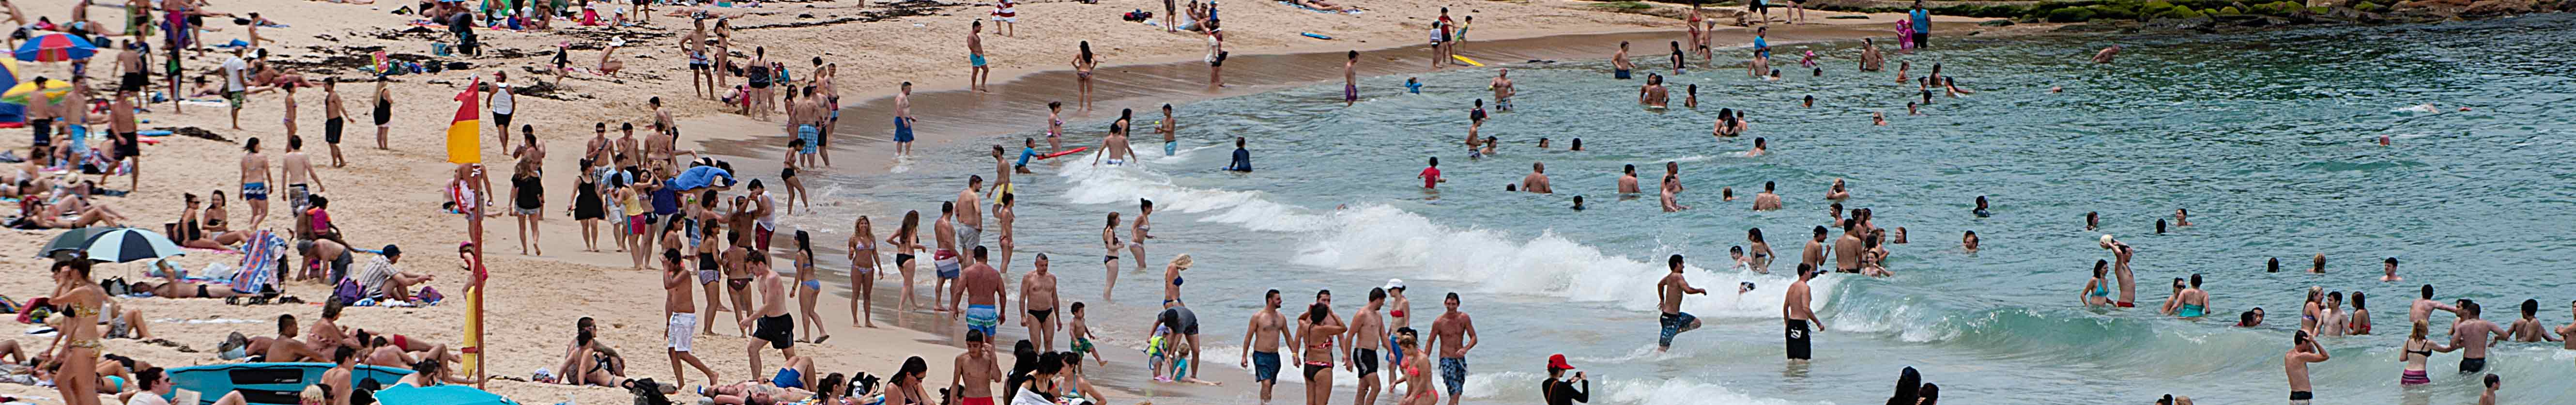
{"points": [[2567, 6], [2000, 22], [2195, 23], [2499, 7]]}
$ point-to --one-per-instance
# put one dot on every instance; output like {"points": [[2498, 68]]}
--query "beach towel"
{"points": [[259, 263], [701, 177]]}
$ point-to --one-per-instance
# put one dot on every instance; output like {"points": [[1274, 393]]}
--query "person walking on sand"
{"points": [[335, 119], [976, 73], [980, 290], [906, 242], [1261, 339], [128, 144], [770, 323], [1669, 300], [1320, 330], [502, 103], [1368, 333], [679, 304], [236, 86], [2303, 351], [903, 120], [1038, 297], [254, 182], [1794, 308], [862, 252], [1455, 334], [969, 222], [384, 112], [701, 68]]}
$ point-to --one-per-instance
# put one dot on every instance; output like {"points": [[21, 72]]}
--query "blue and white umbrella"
{"points": [[130, 244]]}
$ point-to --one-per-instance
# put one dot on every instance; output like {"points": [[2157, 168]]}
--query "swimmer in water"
{"points": [[1981, 211], [1837, 193], [2105, 55], [1912, 109], [1760, 146], [1628, 180], [1670, 190], [1619, 64], [1653, 95], [1690, 96], [1536, 181], [1766, 200], [2182, 218], [1761, 250], [1877, 119], [2388, 270]]}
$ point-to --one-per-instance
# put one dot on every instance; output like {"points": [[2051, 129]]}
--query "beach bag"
{"points": [[647, 392], [430, 295], [348, 291]]}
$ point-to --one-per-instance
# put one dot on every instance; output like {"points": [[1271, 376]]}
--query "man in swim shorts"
{"points": [[970, 215], [771, 323], [903, 121], [1350, 79], [1794, 308], [980, 289], [1170, 127], [1502, 86], [682, 331], [977, 74], [1455, 334], [1261, 343], [1668, 294]]}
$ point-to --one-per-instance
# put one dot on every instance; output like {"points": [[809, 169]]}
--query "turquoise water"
{"points": [[2265, 137]]}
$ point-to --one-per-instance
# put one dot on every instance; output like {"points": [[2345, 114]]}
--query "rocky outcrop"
{"points": [[2499, 7]]}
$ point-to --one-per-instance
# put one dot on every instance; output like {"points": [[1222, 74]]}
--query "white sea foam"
{"points": [[1122, 185]]}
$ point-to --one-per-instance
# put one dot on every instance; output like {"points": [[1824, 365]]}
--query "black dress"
{"points": [[586, 203]]}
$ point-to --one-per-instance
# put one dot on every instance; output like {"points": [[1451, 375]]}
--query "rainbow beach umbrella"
{"points": [[55, 47], [54, 90]]}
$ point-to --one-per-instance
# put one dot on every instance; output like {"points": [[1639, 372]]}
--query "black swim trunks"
{"points": [[331, 130], [1040, 316], [132, 81], [779, 330], [2468, 365], [1797, 340], [1365, 360]]}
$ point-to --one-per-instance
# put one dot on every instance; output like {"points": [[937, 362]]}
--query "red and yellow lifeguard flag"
{"points": [[465, 136]]}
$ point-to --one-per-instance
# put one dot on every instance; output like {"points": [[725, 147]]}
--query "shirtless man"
{"points": [[121, 126], [1456, 334], [1503, 92], [678, 300], [1536, 181], [301, 180], [1170, 129], [2471, 333], [1794, 309], [1670, 190], [977, 74], [1653, 94], [944, 262], [1847, 249], [254, 182], [2120, 266], [325, 334], [1620, 67], [2105, 55], [1813, 255], [2388, 271], [2303, 350], [1766, 200], [1628, 180], [981, 290], [701, 68], [1350, 79], [1760, 146], [2422, 309], [1261, 343], [335, 119], [975, 372], [903, 121], [131, 77], [970, 216], [1368, 333], [1669, 300], [1037, 295], [773, 325], [285, 348], [2528, 328]]}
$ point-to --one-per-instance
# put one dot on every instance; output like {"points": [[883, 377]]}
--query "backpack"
{"points": [[348, 292], [647, 392]]}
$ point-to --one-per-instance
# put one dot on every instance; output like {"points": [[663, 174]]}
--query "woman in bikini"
{"points": [[1318, 346], [78, 299], [1417, 385], [1109, 240], [812, 288], [1083, 64], [906, 384], [2414, 352], [906, 241], [1172, 279], [1761, 250], [863, 273], [1141, 230], [787, 175], [1055, 125], [2097, 292], [710, 271], [192, 234]]}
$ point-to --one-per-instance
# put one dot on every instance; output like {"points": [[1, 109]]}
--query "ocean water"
{"points": [[2267, 138]]}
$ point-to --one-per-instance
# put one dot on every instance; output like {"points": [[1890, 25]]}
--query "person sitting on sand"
{"points": [[607, 66], [382, 279], [589, 361], [190, 232], [285, 348]]}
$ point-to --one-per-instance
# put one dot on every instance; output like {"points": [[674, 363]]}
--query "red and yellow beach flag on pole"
{"points": [[465, 136]]}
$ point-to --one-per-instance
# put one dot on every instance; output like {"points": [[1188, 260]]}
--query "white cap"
{"points": [[1394, 284], [2106, 239]]}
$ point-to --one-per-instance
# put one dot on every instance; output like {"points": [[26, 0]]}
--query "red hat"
{"points": [[1557, 362]]}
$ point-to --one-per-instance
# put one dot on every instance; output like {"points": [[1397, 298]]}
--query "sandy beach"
{"points": [[392, 196]]}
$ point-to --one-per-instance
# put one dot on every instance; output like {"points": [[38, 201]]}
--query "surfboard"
{"points": [[268, 383], [1463, 58], [1077, 149], [1315, 35]]}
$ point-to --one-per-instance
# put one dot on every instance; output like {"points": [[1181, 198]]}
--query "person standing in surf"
{"points": [[2303, 350], [1109, 240], [1261, 340], [1038, 297], [1503, 92], [903, 121], [1350, 79], [1170, 127], [1669, 300], [970, 217], [1620, 67], [1367, 333], [2472, 335], [1115, 146], [1798, 315], [1455, 334], [2120, 267]]}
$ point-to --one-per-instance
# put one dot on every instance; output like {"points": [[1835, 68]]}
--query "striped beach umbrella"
{"points": [[131, 244], [55, 47]]}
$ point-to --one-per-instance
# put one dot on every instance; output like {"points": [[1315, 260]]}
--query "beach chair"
{"points": [[259, 263]]}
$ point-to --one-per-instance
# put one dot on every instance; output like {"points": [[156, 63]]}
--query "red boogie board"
{"points": [[1077, 149]]}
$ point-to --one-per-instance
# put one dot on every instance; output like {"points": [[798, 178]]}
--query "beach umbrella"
{"points": [[54, 90], [131, 244], [55, 47], [73, 240]]}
